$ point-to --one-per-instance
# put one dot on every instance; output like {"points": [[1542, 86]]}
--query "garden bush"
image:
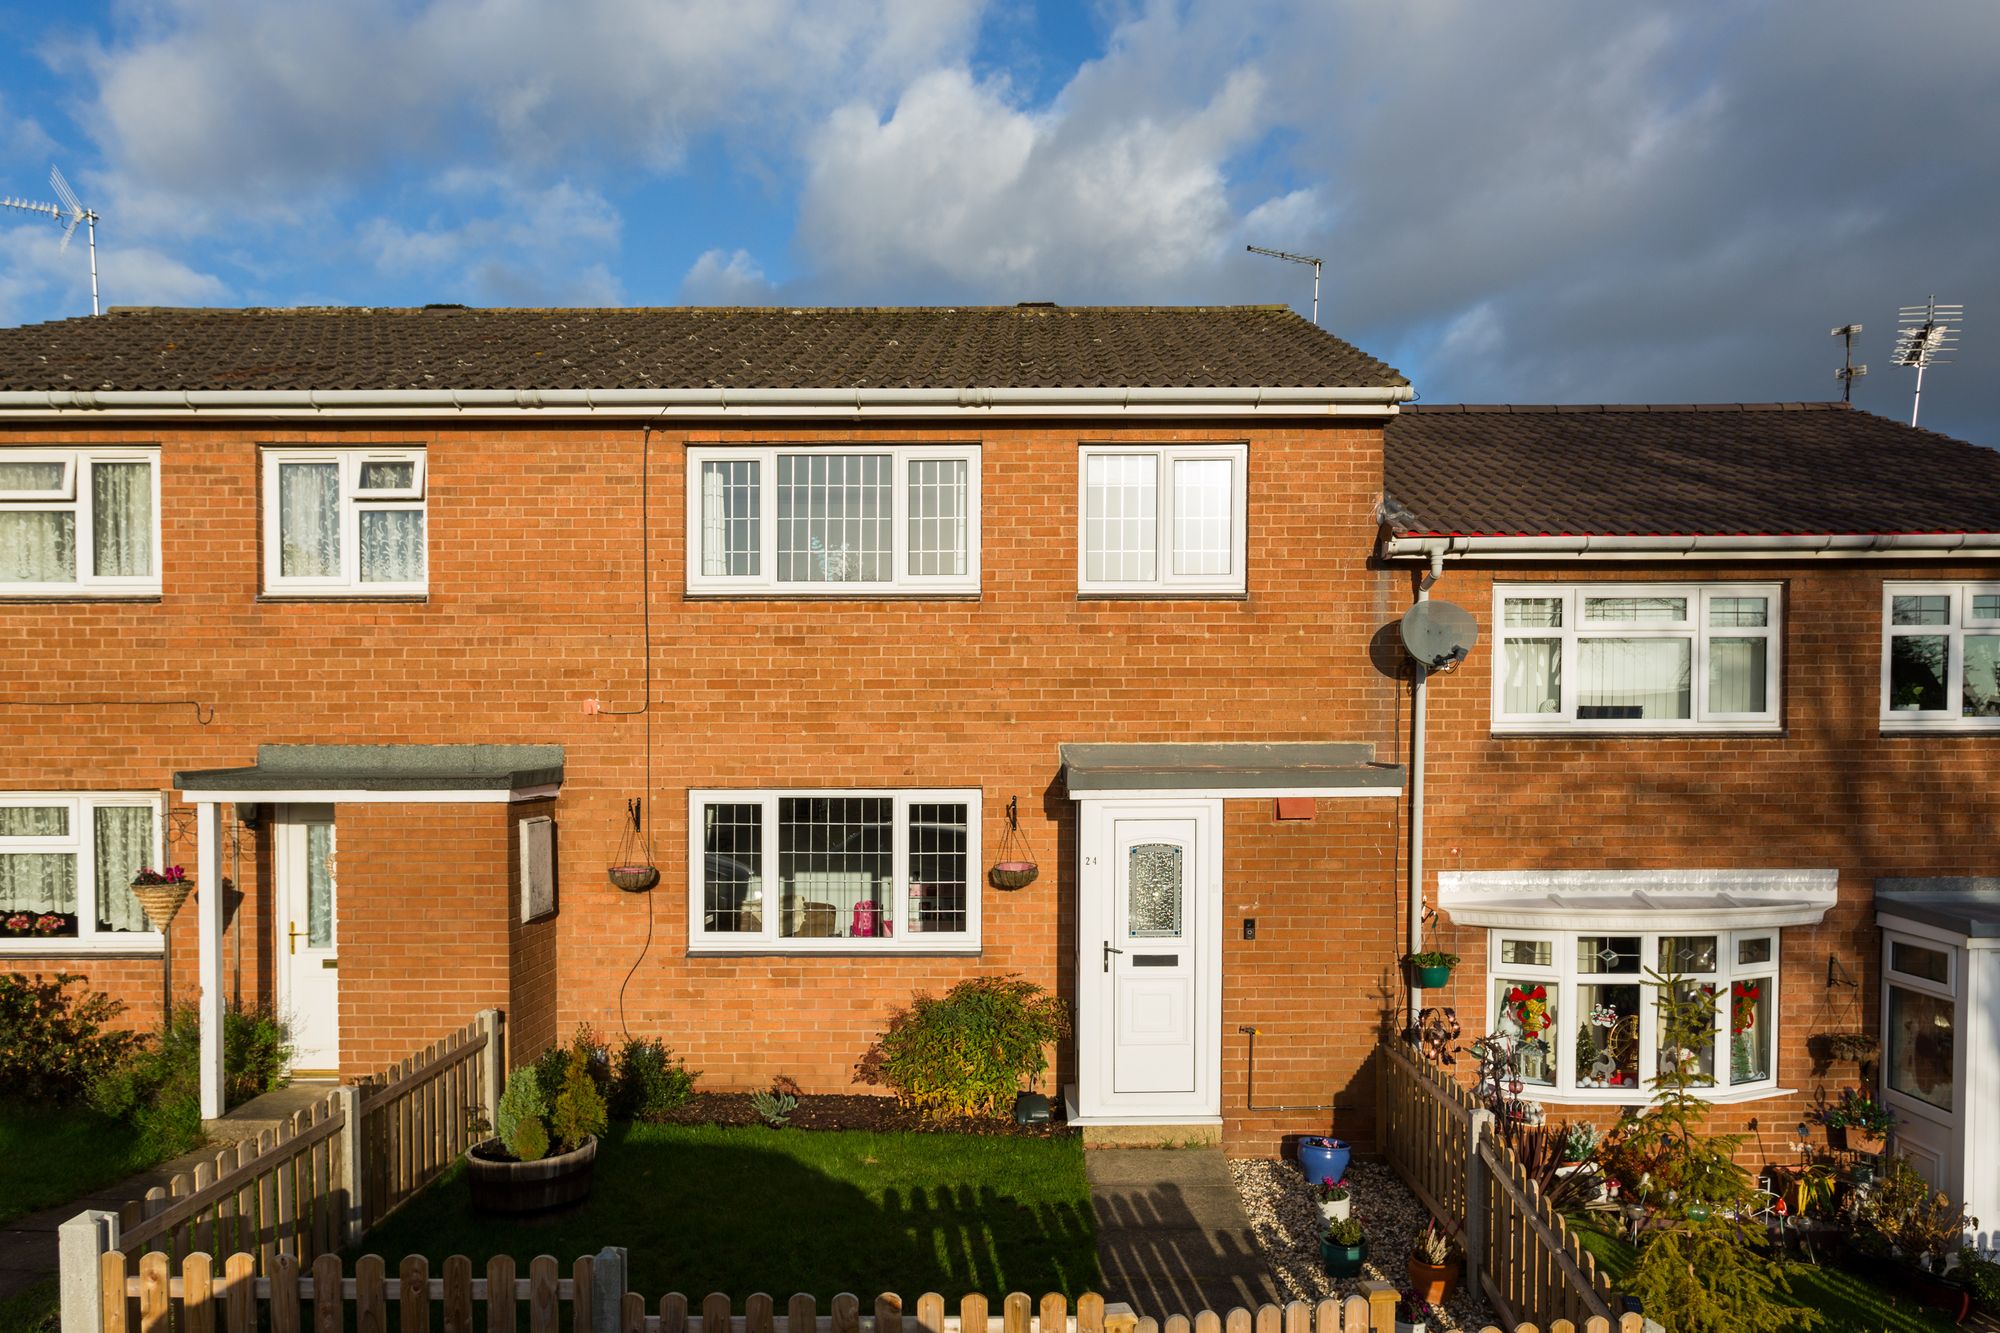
{"points": [[969, 1052], [651, 1080], [552, 1066], [157, 1087], [531, 1124], [54, 1040]]}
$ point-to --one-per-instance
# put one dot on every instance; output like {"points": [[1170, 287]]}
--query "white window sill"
{"points": [[1644, 1096], [344, 595], [22, 946], [831, 949], [1954, 726], [1671, 730], [840, 592], [1162, 594], [78, 592]]}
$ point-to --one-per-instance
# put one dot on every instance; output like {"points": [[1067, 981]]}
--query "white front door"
{"points": [[307, 945], [1149, 960]]}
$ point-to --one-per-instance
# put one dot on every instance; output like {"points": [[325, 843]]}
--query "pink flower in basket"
{"points": [[171, 875]]}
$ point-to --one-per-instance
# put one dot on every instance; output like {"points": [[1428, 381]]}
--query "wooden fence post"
{"points": [[607, 1287], [492, 1062], [1476, 1191], [1381, 1306], [352, 1220], [82, 1242]]}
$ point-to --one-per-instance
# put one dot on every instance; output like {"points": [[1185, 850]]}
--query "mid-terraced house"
{"points": [[402, 628]]}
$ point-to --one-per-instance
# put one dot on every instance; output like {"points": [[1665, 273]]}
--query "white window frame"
{"points": [[1894, 978], [769, 941], [767, 583], [73, 496], [80, 843], [353, 502], [1954, 633], [1699, 598], [1566, 984], [1165, 581]]}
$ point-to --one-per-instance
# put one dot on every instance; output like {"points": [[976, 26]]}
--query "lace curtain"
{"points": [[37, 546], [309, 520], [124, 844], [392, 545], [121, 499], [36, 881]]}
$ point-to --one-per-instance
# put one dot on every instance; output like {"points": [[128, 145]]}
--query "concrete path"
{"points": [[1172, 1236], [28, 1244]]}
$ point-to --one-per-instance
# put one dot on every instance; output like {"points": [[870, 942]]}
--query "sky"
{"points": [[1532, 201]]}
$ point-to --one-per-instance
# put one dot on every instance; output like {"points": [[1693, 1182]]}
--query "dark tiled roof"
{"points": [[1682, 469], [685, 348]]}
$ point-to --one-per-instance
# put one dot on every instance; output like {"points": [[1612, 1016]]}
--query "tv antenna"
{"points": [[1928, 332], [1849, 372], [1314, 260], [69, 213]]}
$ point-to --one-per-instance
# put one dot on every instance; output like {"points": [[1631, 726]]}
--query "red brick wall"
{"points": [[534, 970]]}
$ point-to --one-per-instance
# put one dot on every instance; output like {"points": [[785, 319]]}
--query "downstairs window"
{"points": [[66, 867]]}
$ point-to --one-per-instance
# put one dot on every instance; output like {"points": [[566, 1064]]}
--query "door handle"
{"points": [[294, 940], [1108, 951]]}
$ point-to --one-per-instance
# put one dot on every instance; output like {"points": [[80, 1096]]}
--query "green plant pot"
{"points": [[1342, 1260], [1430, 978]]}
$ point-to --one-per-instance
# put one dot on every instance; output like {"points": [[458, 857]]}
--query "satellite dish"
{"points": [[1439, 635]]}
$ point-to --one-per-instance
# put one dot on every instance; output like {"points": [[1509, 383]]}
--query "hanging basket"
{"points": [[1016, 868], [161, 901], [634, 879], [1014, 874]]}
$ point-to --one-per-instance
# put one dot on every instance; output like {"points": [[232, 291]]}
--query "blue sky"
{"points": [[1549, 200]]}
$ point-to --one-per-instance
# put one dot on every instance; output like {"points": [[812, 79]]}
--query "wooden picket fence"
{"points": [[1519, 1251], [205, 1296], [320, 1180]]}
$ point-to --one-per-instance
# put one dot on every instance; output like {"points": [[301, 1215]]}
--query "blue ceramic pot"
{"points": [[1324, 1159]]}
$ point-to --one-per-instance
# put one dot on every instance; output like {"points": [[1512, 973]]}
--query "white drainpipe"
{"points": [[1419, 693]]}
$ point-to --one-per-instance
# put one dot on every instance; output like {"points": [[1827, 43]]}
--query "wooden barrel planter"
{"points": [[502, 1185]]}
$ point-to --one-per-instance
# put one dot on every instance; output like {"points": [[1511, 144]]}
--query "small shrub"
{"points": [[552, 1065], [969, 1052], [579, 1111], [1903, 1211], [518, 1120], [774, 1108], [157, 1087], [1345, 1231], [57, 1042], [651, 1080], [1982, 1276]]}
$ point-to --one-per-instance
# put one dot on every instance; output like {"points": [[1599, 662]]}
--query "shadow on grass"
{"points": [[702, 1209]]}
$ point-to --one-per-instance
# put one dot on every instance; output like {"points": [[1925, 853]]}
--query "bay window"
{"points": [[66, 866], [1941, 655], [344, 522], [833, 871], [79, 521], [1582, 1008], [1604, 657], [833, 520], [1161, 520]]}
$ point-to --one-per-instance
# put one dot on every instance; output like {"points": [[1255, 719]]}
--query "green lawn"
{"points": [[50, 1156], [1850, 1303], [703, 1209], [36, 1310]]}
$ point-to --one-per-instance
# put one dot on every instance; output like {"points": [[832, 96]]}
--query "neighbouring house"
{"points": [[403, 627]]}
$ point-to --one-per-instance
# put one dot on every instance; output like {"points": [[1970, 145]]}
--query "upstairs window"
{"points": [[1165, 520], [833, 521], [342, 522], [1941, 655], [79, 520], [66, 867], [1604, 657]]}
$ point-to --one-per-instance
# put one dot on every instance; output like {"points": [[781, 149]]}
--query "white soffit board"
{"points": [[1637, 899]]}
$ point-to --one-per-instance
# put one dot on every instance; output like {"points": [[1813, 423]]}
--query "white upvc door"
{"points": [[307, 944], [1149, 961]]}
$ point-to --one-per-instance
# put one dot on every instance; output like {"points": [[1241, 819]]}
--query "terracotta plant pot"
{"points": [[1431, 1283], [1847, 1138], [503, 1185]]}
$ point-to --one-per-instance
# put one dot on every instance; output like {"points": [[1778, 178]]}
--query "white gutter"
{"points": [[1878, 546], [704, 403]]}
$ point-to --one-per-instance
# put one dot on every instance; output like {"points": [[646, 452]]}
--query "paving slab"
{"points": [[1172, 1237]]}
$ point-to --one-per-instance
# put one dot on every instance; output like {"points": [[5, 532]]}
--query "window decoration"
{"points": [[842, 871], [1941, 655], [1607, 657], [1161, 520], [813, 520], [1614, 1046], [79, 521], [1155, 881], [67, 863], [344, 522]]}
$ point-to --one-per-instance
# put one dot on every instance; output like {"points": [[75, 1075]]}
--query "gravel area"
{"points": [[1286, 1222]]}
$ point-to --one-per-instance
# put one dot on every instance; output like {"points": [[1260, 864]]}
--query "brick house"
{"points": [[403, 626]]}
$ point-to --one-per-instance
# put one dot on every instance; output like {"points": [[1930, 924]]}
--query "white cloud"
{"points": [[546, 246], [37, 275], [723, 277], [22, 136]]}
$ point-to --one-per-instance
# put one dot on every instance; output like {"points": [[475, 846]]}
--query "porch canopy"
{"points": [[1637, 899], [1968, 907], [1228, 768], [334, 774]]}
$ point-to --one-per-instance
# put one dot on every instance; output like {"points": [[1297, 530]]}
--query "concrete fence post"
{"points": [[352, 1172], [81, 1243], [493, 1062], [1477, 1188], [607, 1291]]}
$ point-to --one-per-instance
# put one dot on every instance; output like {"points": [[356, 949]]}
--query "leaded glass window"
{"points": [[1156, 891]]}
